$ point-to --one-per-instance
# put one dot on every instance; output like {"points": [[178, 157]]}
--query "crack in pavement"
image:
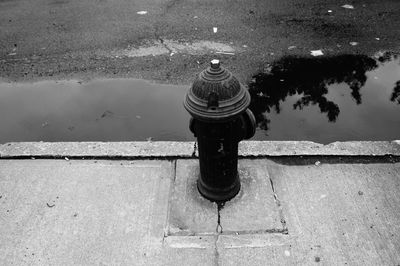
{"points": [[219, 231], [170, 50], [280, 208]]}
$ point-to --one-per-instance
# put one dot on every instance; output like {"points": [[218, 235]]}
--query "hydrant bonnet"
{"points": [[216, 95]]}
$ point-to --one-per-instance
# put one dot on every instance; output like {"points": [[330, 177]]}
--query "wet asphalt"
{"points": [[64, 39]]}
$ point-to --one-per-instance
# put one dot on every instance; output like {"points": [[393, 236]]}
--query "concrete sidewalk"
{"points": [[136, 203]]}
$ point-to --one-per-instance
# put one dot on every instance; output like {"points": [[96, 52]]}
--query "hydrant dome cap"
{"points": [[216, 94]]}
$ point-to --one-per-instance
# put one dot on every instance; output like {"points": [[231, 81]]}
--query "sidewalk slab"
{"points": [[58, 212], [254, 209], [341, 213], [189, 212], [133, 210]]}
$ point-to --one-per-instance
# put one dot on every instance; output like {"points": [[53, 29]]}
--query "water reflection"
{"points": [[290, 97], [308, 81], [99, 110], [396, 93]]}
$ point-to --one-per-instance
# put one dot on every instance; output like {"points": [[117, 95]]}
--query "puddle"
{"points": [[322, 99], [100, 110], [326, 99]]}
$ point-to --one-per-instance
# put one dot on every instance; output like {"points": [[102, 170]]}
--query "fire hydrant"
{"points": [[218, 105]]}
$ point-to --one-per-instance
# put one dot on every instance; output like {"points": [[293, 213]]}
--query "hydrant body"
{"points": [[218, 104]]}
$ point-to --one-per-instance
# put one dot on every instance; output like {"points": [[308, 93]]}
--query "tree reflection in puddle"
{"points": [[310, 78]]}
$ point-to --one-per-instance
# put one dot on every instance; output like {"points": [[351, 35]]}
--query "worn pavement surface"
{"points": [[85, 205], [61, 39]]}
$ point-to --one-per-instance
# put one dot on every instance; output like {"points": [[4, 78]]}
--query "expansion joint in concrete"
{"points": [[278, 204]]}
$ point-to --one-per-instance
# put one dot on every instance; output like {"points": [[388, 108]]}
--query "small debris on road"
{"points": [[50, 206], [287, 253], [317, 53], [377, 38], [142, 12], [353, 43], [138, 117], [45, 124], [291, 47], [317, 163], [329, 11], [215, 29], [360, 193], [348, 6], [66, 158]]}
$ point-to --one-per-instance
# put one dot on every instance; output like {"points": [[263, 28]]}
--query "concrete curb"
{"points": [[161, 149]]}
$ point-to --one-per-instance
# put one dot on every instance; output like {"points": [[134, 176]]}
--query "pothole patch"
{"points": [[171, 47]]}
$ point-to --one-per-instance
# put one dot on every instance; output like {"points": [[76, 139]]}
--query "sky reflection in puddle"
{"points": [[100, 110]]}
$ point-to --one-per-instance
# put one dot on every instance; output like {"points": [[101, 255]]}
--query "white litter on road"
{"points": [[142, 12], [348, 6], [316, 53], [215, 29], [291, 47], [353, 43]]}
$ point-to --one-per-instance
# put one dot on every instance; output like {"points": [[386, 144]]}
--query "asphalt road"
{"points": [[63, 39]]}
